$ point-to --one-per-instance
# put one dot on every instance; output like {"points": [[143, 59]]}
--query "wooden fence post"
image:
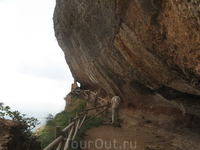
{"points": [[77, 113], [69, 139], [70, 119], [57, 134], [106, 113], [74, 125], [89, 95], [95, 100]]}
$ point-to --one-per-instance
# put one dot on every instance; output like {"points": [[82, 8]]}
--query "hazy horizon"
{"points": [[34, 75]]}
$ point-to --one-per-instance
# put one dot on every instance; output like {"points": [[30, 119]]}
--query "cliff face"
{"points": [[148, 51]]}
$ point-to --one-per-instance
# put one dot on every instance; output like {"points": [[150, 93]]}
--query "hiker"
{"points": [[115, 101]]}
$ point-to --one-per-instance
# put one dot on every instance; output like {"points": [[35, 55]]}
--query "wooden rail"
{"points": [[72, 129], [97, 114]]}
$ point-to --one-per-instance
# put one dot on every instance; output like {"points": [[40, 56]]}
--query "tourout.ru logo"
{"points": [[101, 144]]}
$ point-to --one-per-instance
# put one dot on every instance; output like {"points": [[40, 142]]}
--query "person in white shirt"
{"points": [[115, 102]]}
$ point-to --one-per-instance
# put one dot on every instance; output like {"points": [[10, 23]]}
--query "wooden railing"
{"points": [[68, 134], [96, 98]]}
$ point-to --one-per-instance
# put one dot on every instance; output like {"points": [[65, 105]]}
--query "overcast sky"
{"points": [[34, 77]]}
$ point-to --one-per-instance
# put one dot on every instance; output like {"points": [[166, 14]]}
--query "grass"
{"points": [[148, 148], [47, 135]]}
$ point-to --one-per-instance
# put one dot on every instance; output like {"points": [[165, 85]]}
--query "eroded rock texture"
{"points": [[148, 51], [11, 137]]}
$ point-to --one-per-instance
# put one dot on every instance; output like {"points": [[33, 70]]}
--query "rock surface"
{"points": [[148, 51], [11, 137]]}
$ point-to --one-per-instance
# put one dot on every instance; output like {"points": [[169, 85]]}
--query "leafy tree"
{"points": [[50, 120], [28, 123]]}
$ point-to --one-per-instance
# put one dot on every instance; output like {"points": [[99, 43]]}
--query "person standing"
{"points": [[115, 102]]}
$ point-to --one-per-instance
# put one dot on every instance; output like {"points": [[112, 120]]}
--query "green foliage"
{"points": [[28, 123], [82, 105], [62, 120], [148, 148], [94, 122], [63, 117], [47, 135], [50, 120]]}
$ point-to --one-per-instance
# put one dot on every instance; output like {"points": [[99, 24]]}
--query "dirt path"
{"points": [[140, 134], [109, 137]]}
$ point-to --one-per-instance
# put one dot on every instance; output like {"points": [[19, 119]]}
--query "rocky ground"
{"points": [[142, 131]]}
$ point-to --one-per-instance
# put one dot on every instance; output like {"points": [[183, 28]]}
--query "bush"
{"points": [[94, 122], [47, 135], [28, 123], [148, 148], [50, 120], [62, 120], [82, 105]]}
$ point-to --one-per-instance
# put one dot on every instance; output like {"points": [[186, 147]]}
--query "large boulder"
{"points": [[148, 51], [11, 137]]}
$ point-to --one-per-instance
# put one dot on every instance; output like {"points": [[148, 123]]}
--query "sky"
{"points": [[34, 76]]}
